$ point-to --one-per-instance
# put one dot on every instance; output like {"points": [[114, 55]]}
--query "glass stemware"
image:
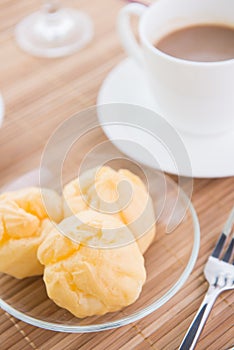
{"points": [[54, 31]]}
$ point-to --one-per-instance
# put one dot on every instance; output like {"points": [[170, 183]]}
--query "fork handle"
{"points": [[194, 331]]}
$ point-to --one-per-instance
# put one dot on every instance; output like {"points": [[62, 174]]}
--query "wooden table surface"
{"points": [[38, 95]]}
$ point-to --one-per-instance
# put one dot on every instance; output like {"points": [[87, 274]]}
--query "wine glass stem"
{"points": [[51, 6]]}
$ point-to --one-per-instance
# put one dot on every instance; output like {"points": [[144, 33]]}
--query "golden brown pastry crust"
{"points": [[100, 189], [22, 219], [91, 281]]}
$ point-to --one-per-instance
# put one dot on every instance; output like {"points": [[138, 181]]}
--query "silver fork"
{"points": [[220, 275]]}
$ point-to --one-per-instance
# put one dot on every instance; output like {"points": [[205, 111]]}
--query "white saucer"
{"points": [[210, 156], [1, 110]]}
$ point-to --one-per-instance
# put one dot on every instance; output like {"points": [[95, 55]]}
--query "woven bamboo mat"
{"points": [[40, 93]]}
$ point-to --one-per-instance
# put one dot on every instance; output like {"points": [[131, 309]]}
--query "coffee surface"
{"points": [[203, 43]]}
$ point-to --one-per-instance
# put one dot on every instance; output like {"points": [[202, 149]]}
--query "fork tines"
{"points": [[229, 251], [226, 232]]}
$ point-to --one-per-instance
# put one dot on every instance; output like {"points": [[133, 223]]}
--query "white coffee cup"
{"points": [[196, 97]]}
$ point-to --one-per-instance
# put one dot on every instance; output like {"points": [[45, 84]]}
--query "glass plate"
{"points": [[170, 258]]}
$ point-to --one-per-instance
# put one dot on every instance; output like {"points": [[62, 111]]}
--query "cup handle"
{"points": [[126, 34]]}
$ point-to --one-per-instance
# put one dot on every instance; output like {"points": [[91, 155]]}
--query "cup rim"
{"points": [[144, 40]]}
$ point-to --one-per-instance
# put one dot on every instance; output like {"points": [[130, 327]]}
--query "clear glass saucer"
{"points": [[169, 260]]}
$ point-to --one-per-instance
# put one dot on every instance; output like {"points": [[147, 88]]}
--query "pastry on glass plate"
{"points": [[119, 193], [23, 217], [103, 273]]}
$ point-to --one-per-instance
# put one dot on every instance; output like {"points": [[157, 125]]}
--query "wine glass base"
{"points": [[54, 34]]}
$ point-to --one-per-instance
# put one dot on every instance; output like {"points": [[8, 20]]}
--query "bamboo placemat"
{"points": [[40, 92]]}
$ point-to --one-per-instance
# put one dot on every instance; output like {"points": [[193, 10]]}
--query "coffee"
{"points": [[203, 43]]}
